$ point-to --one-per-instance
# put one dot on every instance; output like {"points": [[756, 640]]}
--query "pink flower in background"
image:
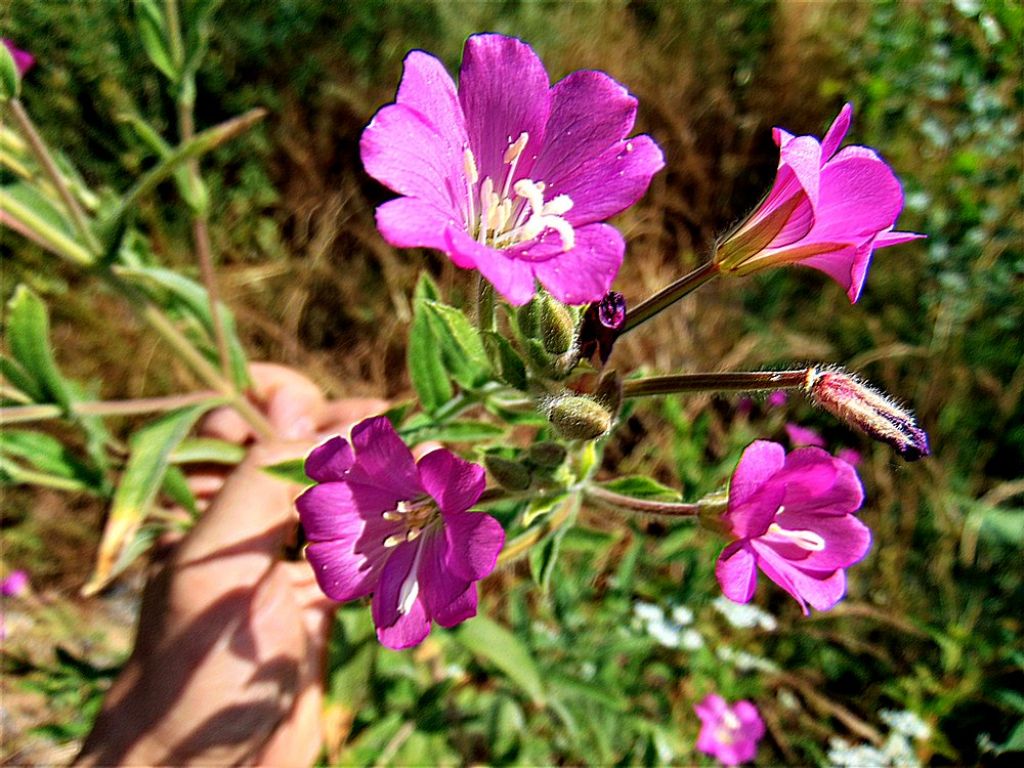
{"points": [[23, 60], [803, 436], [792, 517], [378, 522], [849, 455], [778, 398], [507, 174], [828, 209], [728, 733], [15, 584]]}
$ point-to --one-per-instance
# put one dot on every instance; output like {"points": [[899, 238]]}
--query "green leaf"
{"points": [[209, 450], [506, 362], [10, 80], [495, 645], [541, 507], [292, 471], [193, 299], [28, 334], [426, 369], [426, 288], [176, 488], [18, 378], [153, 34], [462, 350], [46, 454], [544, 557], [465, 431], [150, 450], [640, 487]]}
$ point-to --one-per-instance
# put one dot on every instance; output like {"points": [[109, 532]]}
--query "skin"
{"points": [[229, 658]]}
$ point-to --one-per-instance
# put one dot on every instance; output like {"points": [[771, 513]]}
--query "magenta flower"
{"points": [[380, 523], [15, 584], [850, 455], [778, 398], [828, 209], [508, 175], [803, 436], [792, 517], [728, 733], [23, 60]]}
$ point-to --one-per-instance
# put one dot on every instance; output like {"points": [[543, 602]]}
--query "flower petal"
{"points": [[836, 132], [450, 599], [759, 462], [803, 156], [341, 573], [395, 629], [474, 541], [428, 88], [585, 273], [860, 197], [847, 539], [818, 482], [382, 459], [402, 150], [504, 92], [609, 183], [821, 590], [511, 277], [736, 572], [329, 460], [454, 483], [408, 222]]}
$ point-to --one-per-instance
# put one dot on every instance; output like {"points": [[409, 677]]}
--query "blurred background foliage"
{"points": [[933, 621]]}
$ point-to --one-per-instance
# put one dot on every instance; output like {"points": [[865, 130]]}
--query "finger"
{"points": [[205, 484], [291, 401], [225, 424], [338, 415], [248, 523]]}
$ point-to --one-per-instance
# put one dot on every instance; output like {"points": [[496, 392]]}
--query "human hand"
{"points": [[228, 661]]}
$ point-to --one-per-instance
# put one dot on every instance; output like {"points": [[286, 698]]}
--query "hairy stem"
{"points": [[620, 503], [669, 295], [715, 382]]}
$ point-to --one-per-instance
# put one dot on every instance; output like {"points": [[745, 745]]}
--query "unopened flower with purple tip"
{"points": [[380, 523], [829, 209], [792, 516], [23, 60], [728, 732], [507, 174]]}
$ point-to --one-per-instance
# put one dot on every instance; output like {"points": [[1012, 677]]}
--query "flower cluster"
{"points": [[728, 732]]}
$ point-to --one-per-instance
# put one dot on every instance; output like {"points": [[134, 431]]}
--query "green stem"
{"points": [[715, 382], [210, 376], [485, 304], [669, 295], [201, 144], [24, 413], [45, 160], [620, 503]]}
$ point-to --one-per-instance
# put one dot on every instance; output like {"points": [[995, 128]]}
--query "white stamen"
{"points": [[392, 516], [469, 163], [515, 149], [528, 190], [804, 539], [559, 205], [394, 540], [413, 534], [730, 721], [411, 586]]}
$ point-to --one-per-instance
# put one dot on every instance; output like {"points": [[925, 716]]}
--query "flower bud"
{"points": [[509, 474], [575, 417], [557, 327], [548, 455], [526, 320], [867, 409]]}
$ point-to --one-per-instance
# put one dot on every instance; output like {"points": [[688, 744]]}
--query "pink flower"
{"points": [[23, 60], [15, 584], [507, 174], [803, 436], [728, 733], [380, 523], [792, 516], [778, 398], [849, 455], [827, 209]]}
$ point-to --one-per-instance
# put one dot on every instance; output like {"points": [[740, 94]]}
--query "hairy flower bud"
{"points": [[509, 474], [867, 409], [557, 327], [576, 417], [548, 455]]}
